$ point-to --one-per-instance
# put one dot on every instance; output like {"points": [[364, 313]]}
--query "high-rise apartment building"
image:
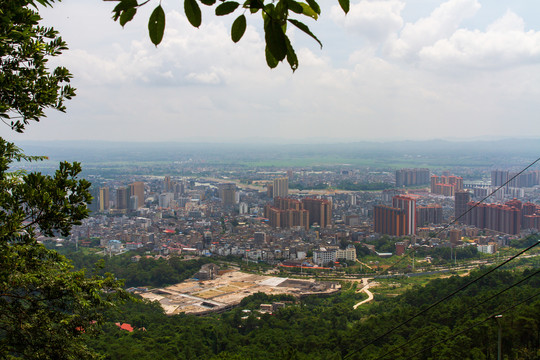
{"points": [[505, 218], [499, 177], [431, 214], [168, 184], [94, 204], [412, 177], [446, 185], [165, 200], [398, 219], [409, 205], [270, 190], [137, 189], [286, 218], [227, 193], [280, 187], [103, 198], [389, 220], [320, 211], [461, 199], [122, 198]]}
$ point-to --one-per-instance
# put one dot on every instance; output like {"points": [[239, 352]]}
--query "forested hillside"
{"points": [[328, 328]]}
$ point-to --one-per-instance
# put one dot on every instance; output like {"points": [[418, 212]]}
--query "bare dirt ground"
{"points": [[227, 290]]}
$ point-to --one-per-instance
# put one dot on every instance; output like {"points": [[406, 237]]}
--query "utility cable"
{"points": [[466, 285], [468, 310], [444, 298], [469, 210], [473, 326], [491, 194], [462, 215]]}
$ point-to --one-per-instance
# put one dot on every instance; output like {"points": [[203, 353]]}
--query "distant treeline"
{"points": [[147, 271], [343, 185], [300, 186]]}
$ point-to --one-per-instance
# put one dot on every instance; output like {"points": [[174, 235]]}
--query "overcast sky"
{"points": [[418, 69]]}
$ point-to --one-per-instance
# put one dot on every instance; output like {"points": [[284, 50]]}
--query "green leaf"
{"points": [[315, 6], [270, 59], [345, 4], [127, 16], [156, 25], [295, 6], [254, 5], [226, 8], [304, 28], [120, 9], [275, 39], [208, 2], [292, 59], [193, 12], [124, 5], [238, 28], [308, 11]]}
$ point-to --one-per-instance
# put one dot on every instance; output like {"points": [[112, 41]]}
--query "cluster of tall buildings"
{"points": [[430, 214], [508, 218], [398, 219], [412, 177], [288, 212], [130, 197], [446, 185], [527, 179]]}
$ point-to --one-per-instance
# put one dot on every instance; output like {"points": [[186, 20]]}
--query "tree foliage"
{"points": [[329, 328], [27, 85], [276, 17], [46, 308], [144, 272]]}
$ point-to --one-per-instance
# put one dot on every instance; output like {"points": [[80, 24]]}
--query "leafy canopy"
{"points": [[46, 308], [275, 15], [27, 86]]}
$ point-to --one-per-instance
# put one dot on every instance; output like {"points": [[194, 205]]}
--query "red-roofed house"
{"points": [[125, 326]]}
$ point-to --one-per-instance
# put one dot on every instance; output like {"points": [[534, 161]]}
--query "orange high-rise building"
{"points": [[320, 211], [137, 189]]}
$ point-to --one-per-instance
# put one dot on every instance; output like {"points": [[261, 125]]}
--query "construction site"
{"points": [[226, 290]]}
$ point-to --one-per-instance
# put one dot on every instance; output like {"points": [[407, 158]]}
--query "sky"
{"points": [[388, 70]]}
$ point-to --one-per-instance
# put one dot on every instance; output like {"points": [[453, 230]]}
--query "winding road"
{"points": [[365, 289]]}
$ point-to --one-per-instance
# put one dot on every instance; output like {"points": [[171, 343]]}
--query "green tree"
{"points": [[46, 309], [27, 86], [275, 14]]}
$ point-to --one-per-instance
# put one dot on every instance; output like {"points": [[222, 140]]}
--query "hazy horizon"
{"points": [[389, 70]]}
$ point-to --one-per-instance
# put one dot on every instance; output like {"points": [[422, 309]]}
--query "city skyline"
{"points": [[378, 76]]}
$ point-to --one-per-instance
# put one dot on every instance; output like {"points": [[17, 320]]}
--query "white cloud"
{"points": [[186, 56], [204, 78], [197, 83], [505, 43], [509, 22], [375, 20], [440, 24]]}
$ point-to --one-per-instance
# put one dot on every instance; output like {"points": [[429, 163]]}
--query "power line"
{"points": [[466, 212], [468, 310], [473, 326], [444, 299], [493, 192], [466, 285]]}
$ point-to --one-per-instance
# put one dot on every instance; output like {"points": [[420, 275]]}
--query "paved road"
{"points": [[365, 289]]}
